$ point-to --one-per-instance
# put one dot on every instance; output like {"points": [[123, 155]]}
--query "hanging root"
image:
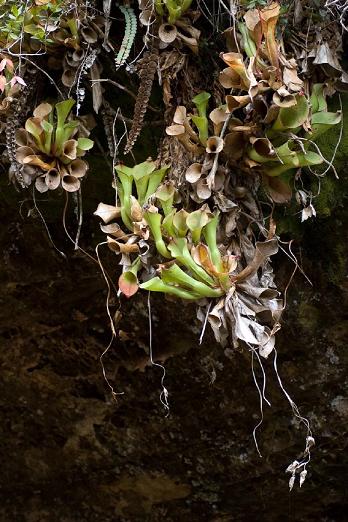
{"points": [[296, 466], [112, 325], [164, 393]]}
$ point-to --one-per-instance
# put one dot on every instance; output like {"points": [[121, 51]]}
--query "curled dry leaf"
{"points": [[193, 173], [234, 145], [327, 59], [218, 116], [229, 79], [202, 190], [291, 482], [215, 144], [77, 168], [175, 130], [114, 230], [167, 33], [69, 77], [52, 179], [42, 110], [235, 62], [236, 102], [40, 184], [70, 183], [291, 79], [262, 252], [107, 212], [269, 17], [192, 40], [308, 212], [282, 98], [278, 189], [180, 115], [70, 149], [292, 467], [136, 210], [122, 248], [303, 475]]}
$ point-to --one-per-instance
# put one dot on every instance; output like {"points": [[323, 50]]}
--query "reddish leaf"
{"points": [[128, 284]]}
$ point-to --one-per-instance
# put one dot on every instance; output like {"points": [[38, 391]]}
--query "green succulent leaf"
{"points": [[153, 219], [179, 222], [155, 178], [322, 122], [292, 117], [165, 194], [157, 285], [302, 160], [178, 249], [175, 275], [34, 128], [63, 110], [202, 125], [48, 129], [125, 194], [209, 232], [168, 224], [63, 130], [196, 221], [85, 143], [201, 101], [317, 99]]}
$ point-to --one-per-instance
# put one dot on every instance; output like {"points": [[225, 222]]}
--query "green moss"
{"points": [[308, 316], [337, 269], [330, 195], [328, 141]]}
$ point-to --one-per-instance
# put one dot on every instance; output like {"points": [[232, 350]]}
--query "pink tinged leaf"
{"points": [[9, 64], [19, 80], [2, 64], [2, 83], [128, 284]]}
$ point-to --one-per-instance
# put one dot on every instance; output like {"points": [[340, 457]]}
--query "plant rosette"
{"points": [[50, 143]]}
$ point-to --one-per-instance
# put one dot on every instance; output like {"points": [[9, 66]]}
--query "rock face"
{"points": [[71, 453]]}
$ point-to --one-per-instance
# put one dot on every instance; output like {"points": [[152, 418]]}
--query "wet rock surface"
{"points": [[71, 453]]}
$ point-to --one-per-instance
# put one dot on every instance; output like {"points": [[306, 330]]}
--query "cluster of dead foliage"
{"points": [[244, 91]]}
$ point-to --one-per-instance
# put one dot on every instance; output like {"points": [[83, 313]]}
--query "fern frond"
{"points": [[129, 35], [148, 68]]}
